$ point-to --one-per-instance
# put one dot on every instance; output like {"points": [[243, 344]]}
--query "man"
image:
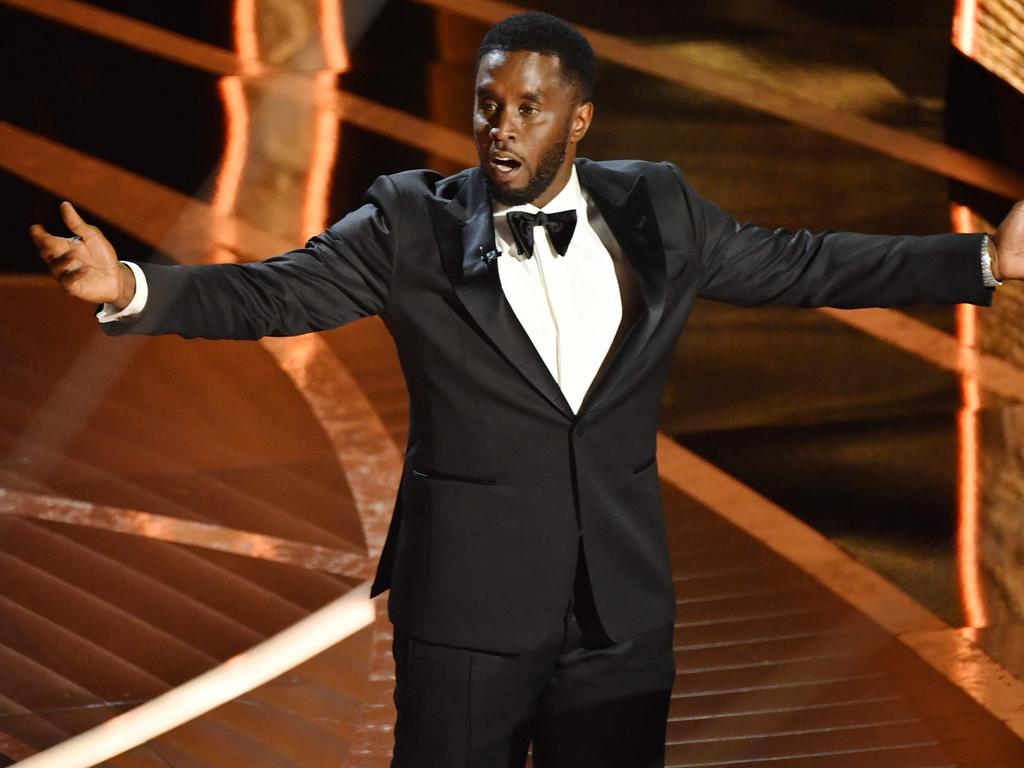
{"points": [[534, 302]]}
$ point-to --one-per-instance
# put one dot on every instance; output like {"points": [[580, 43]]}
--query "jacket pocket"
{"points": [[449, 477]]}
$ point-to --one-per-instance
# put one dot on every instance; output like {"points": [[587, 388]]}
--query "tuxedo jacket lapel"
{"points": [[465, 235], [625, 204]]}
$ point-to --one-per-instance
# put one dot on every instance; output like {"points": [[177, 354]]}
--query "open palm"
{"points": [[85, 265]]}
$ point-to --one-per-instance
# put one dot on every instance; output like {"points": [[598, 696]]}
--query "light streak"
{"points": [[964, 25], [236, 147], [229, 680], [332, 34], [44, 506], [972, 592], [236, 144], [246, 40], [315, 199], [315, 202]]}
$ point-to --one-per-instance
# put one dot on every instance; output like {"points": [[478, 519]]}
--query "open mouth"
{"points": [[505, 165]]}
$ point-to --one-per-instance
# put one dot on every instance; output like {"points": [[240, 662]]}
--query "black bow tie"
{"points": [[560, 227]]}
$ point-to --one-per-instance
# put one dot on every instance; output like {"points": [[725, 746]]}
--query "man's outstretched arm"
{"points": [[751, 265], [341, 274]]}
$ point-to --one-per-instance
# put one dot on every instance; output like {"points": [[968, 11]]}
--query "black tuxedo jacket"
{"points": [[501, 479]]}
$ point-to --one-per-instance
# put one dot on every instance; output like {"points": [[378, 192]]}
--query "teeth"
{"points": [[505, 164]]}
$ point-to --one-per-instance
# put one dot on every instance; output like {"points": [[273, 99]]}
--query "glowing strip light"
{"points": [[246, 39], [321, 163], [131, 522], [332, 34], [236, 147], [235, 677], [972, 593], [964, 23], [325, 121]]}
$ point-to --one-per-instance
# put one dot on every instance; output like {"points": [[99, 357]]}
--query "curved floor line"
{"points": [[133, 522], [33, 440]]}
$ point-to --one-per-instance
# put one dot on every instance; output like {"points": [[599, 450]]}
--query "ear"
{"points": [[583, 113]]}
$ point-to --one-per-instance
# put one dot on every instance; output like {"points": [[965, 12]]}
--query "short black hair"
{"points": [[544, 33]]}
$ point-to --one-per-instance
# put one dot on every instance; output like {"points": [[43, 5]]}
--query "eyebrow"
{"points": [[524, 96]]}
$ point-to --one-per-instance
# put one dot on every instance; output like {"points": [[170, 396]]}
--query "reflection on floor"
{"points": [[166, 504]]}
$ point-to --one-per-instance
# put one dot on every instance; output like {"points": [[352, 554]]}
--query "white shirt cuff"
{"points": [[109, 313]]}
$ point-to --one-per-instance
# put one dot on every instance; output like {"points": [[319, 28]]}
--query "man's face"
{"points": [[527, 120]]}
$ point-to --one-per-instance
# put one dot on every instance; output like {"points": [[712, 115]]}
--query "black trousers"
{"points": [[580, 699]]}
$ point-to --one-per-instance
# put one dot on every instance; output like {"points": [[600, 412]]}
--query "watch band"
{"points": [[987, 277]]}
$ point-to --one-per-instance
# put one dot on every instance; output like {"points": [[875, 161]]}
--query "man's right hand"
{"points": [[85, 265]]}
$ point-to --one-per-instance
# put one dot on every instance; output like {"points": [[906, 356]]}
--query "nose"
{"points": [[501, 127]]}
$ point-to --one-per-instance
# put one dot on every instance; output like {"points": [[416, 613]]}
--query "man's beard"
{"points": [[546, 171]]}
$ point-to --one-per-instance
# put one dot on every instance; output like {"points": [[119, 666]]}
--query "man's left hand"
{"points": [[1006, 246]]}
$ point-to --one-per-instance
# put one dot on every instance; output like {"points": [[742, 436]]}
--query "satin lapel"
{"points": [[465, 237], [632, 220]]}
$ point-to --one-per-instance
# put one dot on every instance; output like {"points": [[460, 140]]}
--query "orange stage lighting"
{"points": [[325, 150], [325, 123], [246, 39], [964, 22], [332, 34], [236, 146], [236, 113], [972, 592]]}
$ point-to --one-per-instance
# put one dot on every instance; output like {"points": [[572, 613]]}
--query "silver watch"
{"points": [[986, 266]]}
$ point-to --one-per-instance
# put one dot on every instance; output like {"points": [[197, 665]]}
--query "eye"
{"points": [[528, 110], [487, 107]]}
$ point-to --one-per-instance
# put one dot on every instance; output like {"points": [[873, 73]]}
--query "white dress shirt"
{"points": [[571, 306]]}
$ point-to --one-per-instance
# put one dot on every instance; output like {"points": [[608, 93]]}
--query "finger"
{"points": [[61, 264], [52, 247], [44, 240], [38, 235], [75, 222]]}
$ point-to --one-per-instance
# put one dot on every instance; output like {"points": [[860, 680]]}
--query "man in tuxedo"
{"points": [[534, 301]]}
